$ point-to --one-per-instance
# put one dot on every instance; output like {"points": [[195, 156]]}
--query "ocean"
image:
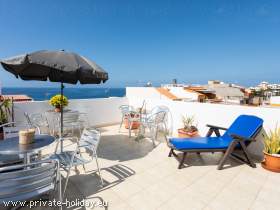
{"points": [[41, 94]]}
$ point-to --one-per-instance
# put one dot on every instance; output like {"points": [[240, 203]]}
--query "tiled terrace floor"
{"points": [[141, 177]]}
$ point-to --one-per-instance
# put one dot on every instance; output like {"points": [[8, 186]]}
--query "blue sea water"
{"points": [[40, 94]]}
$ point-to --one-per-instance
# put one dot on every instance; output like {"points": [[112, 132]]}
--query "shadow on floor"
{"points": [[90, 184], [122, 148], [206, 159]]}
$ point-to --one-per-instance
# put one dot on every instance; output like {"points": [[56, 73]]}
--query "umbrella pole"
{"points": [[61, 117]]}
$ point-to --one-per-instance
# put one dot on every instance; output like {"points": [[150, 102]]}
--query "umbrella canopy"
{"points": [[56, 66]]}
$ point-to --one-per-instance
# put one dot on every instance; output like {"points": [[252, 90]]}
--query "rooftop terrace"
{"points": [[140, 177]]}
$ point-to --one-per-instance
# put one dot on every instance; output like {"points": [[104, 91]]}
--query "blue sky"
{"points": [[142, 40]]}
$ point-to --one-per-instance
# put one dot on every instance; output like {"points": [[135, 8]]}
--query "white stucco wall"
{"points": [[100, 111], [215, 114], [207, 113]]}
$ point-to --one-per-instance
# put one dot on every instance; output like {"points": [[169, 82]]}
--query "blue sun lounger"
{"points": [[238, 136]]}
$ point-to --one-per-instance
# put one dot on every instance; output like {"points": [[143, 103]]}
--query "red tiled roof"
{"points": [[166, 93], [17, 97]]}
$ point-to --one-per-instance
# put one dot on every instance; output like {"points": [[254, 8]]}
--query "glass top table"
{"points": [[11, 146]]}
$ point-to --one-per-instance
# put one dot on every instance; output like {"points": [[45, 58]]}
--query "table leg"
{"points": [[26, 159]]}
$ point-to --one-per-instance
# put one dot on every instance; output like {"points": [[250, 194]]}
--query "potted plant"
{"points": [[272, 151], [189, 129], [5, 112], [134, 118], [58, 102]]}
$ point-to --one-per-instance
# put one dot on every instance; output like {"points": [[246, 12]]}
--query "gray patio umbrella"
{"points": [[55, 66]]}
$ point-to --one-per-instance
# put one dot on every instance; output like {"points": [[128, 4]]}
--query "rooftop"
{"points": [[140, 177]]}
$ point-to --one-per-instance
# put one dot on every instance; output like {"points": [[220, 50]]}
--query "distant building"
{"points": [[215, 82], [263, 85], [226, 91]]}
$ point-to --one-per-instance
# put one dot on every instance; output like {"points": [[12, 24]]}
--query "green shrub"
{"points": [[272, 141]]}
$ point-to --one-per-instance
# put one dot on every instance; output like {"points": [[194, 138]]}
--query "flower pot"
{"points": [[182, 133], [271, 162], [57, 109], [135, 125]]}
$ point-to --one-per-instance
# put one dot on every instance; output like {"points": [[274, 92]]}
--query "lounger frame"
{"points": [[228, 152]]}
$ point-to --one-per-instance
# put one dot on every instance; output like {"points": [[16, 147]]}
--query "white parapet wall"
{"points": [[215, 114], [101, 111], [206, 113]]}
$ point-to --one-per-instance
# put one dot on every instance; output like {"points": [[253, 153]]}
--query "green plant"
{"points": [[5, 111], [58, 101], [272, 141], [188, 122]]}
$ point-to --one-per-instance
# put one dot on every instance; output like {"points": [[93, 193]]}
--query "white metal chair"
{"points": [[72, 123], [89, 141], [132, 117], [38, 121], [27, 182], [125, 110], [153, 122]]}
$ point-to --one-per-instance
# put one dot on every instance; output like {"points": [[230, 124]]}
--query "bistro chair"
{"points": [[27, 182], [125, 111], [88, 142], [71, 123], [38, 121], [154, 122]]}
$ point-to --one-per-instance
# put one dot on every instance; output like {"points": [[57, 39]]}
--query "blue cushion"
{"points": [[244, 125], [200, 143]]}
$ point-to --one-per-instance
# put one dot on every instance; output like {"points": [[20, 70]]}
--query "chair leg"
{"points": [[99, 172], [66, 182], [182, 161], [154, 136], [56, 146], [227, 154], [170, 153], [60, 197], [247, 156], [121, 125], [129, 128]]}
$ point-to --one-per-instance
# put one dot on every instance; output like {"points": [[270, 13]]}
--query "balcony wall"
{"points": [[102, 111], [206, 113]]}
